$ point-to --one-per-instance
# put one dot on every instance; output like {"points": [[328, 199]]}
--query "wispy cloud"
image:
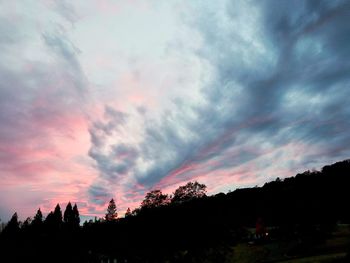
{"points": [[104, 99], [275, 101]]}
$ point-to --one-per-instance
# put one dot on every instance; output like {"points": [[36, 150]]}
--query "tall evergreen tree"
{"points": [[57, 216], [50, 218], [12, 226], [26, 224], [111, 211], [38, 218], [76, 217], [68, 217]]}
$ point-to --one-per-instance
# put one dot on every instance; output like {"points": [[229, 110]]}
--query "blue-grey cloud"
{"points": [[99, 195], [42, 83], [279, 78]]}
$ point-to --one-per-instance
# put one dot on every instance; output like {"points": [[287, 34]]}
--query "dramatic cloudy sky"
{"points": [[102, 99]]}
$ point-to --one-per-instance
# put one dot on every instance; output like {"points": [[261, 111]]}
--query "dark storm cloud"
{"points": [[280, 81], [301, 84]]}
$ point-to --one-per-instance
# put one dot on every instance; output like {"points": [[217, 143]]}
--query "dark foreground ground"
{"points": [[333, 248]]}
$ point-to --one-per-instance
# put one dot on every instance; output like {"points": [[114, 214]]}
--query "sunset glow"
{"points": [[111, 99]]}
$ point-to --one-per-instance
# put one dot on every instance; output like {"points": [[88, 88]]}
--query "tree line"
{"points": [[188, 226], [156, 198], [70, 219], [54, 221]]}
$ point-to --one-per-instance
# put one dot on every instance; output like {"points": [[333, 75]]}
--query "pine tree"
{"points": [[50, 221], [37, 222], [76, 218], [12, 226], [68, 216], [111, 211], [57, 216], [26, 224], [38, 218], [50, 218]]}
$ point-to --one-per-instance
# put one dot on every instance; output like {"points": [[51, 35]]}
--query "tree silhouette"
{"points": [[53, 220], [76, 217], [58, 215], [188, 192], [71, 217], [154, 199], [296, 207], [128, 212], [68, 216], [111, 211], [38, 218], [49, 219], [136, 211], [26, 224], [12, 226]]}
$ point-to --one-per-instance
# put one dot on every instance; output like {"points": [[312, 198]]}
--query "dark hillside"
{"points": [[197, 229]]}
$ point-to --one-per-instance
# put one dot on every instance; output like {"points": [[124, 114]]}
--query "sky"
{"points": [[113, 98]]}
